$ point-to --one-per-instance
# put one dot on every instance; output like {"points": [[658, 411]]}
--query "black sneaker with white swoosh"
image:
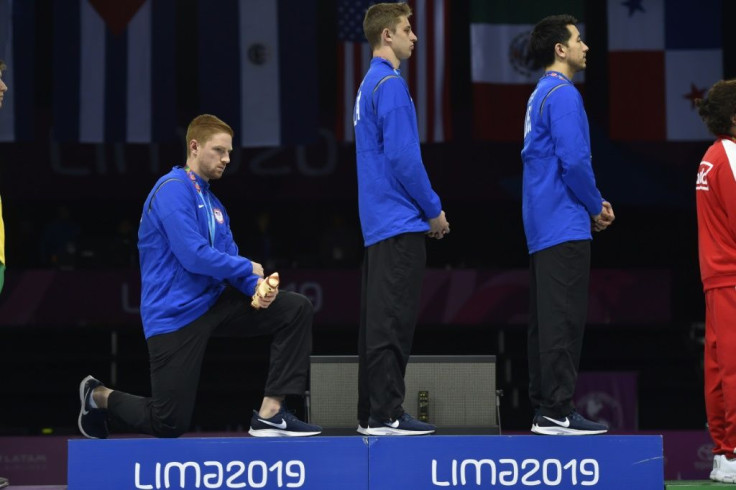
{"points": [[92, 422], [572, 425], [283, 424]]}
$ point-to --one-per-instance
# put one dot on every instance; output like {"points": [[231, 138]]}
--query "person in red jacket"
{"points": [[715, 191]]}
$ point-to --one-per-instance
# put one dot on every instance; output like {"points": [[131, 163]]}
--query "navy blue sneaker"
{"points": [[406, 425], [92, 422], [572, 425], [534, 420], [283, 424]]}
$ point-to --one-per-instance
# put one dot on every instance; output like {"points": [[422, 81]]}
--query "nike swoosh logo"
{"points": [[84, 402], [282, 425], [566, 423], [201, 205], [394, 424]]}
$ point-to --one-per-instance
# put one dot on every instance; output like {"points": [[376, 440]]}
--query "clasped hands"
{"points": [[438, 227], [603, 220]]}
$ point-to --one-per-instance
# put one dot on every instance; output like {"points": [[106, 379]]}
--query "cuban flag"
{"points": [[114, 71]]}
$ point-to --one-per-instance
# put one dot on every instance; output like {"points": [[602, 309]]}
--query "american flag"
{"points": [[426, 72]]}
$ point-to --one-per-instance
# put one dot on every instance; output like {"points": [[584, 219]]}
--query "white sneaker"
{"points": [[716, 465], [726, 471]]}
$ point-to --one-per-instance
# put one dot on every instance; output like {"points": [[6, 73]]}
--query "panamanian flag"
{"points": [[659, 63]]}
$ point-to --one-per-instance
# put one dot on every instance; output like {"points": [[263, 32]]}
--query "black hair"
{"points": [[545, 36]]}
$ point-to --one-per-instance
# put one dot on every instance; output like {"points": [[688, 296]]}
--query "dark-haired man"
{"points": [[715, 193], [560, 206]]}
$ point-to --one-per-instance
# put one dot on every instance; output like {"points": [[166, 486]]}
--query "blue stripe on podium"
{"points": [[370, 463]]}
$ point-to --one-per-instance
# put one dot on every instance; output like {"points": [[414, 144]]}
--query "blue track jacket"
{"points": [[559, 194], [187, 253], [394, 192]]}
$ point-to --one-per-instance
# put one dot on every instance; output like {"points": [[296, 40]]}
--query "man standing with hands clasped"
{"points": [[397, 208], [561, 205]]}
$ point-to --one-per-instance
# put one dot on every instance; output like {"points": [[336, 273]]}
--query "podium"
{"points": [[368, 463]]}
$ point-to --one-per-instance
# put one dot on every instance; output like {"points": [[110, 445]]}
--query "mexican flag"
{"points": [[500, 72], [658, 66]]}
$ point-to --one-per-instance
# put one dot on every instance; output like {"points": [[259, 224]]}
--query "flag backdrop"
{"points": [[258, 69], [500, 72], [658, 65], [17, 49], [114, 71], [426, 71]]}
